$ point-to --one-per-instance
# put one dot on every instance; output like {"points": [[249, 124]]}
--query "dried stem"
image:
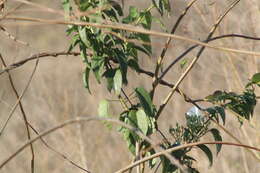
{"points": [[167, 99], [21, 107]]}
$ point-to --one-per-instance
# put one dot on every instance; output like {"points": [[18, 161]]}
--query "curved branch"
{"points": [[36, 56], [169, 96], [182, 147], [194, 46], [160, 59], [83, 119]]}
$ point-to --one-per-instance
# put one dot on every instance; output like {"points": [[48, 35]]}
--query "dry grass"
{"points": [[56, 93]]}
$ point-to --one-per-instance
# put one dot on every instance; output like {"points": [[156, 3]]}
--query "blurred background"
{"points": [[57, 94]]}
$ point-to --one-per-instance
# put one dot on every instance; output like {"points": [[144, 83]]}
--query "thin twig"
{"points": [[55, 54], [194, 46], [12, 37], [21, 106], [161, 57], [37, 56], [84, 119], [57, 152], [129, 28], [182, 147], [167, 99]]}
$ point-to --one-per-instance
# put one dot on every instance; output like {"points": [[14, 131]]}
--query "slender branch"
{"points": [[84, 119], [129, 28], [12, 37], [182, 147], [160, 59], [178, 90], [18, 101], [37, 56], [55, 54], [167, 99], [21, 106], [57, 152], [194, 46]]}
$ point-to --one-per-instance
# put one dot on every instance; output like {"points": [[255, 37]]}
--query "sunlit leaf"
{"points": [[118, 81], [142, 121], [83, 35], [183, 63], [256, 78], [103, 108]]}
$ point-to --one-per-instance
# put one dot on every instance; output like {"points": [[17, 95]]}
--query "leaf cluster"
{"points": [[108, 54]]}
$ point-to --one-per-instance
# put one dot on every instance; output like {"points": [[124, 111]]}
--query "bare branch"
{"points": [[37, 56]]}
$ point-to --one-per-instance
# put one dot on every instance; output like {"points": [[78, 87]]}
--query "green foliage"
{"points": [[162, 5], [216, 112], [256, 79], [103, 111], [217, 137], [108, 54], [118, 81], [146, 101], [242, 104]]}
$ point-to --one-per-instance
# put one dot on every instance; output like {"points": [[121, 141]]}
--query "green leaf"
{"points": [[118, 81], [66, 6], [142, 121], [129, 139], [158, 5], [97, 65], [132, 118], [162, 5], [133, 64], [183, 63], [132, 16], [146, 39], [83, 35], [117, 7], [103, 108], [145, 101], [256, 78], [167, 5], [207, 151], [141, 49], [133, 12], [222, 113], [109, 75], [75, 41], [146, 19], [123, 64], [86, 79], [217, 137]]}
